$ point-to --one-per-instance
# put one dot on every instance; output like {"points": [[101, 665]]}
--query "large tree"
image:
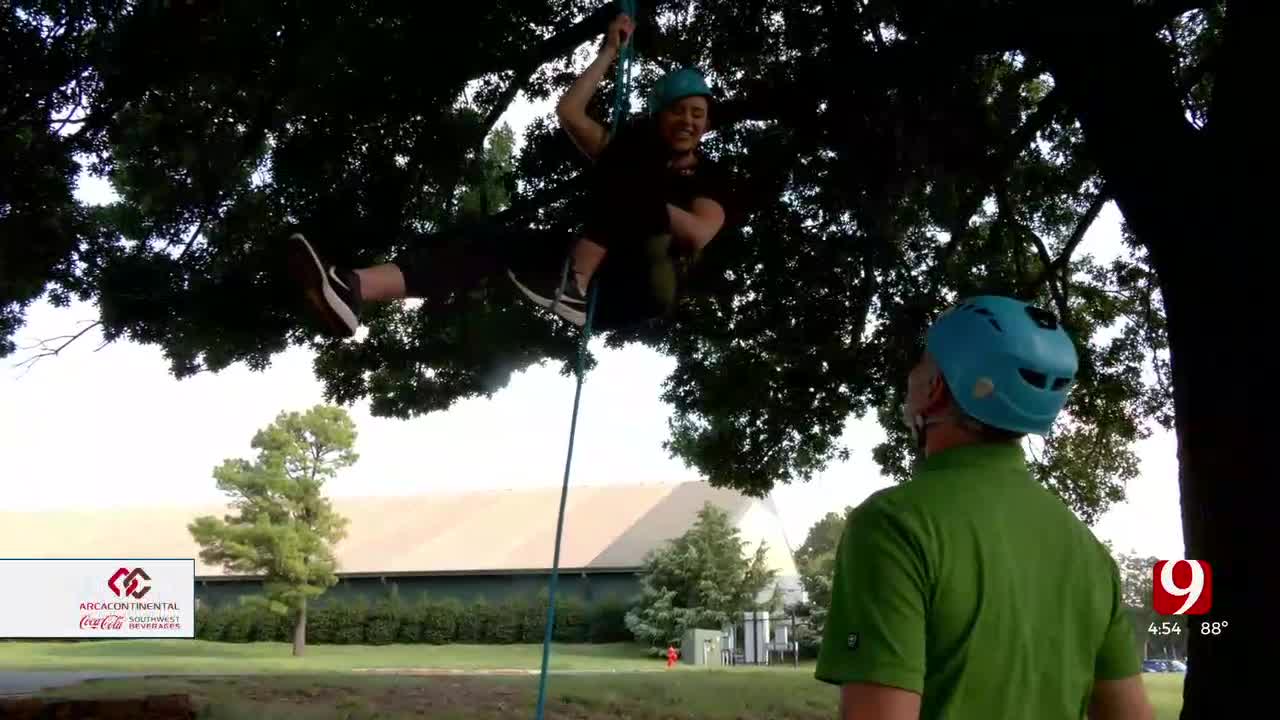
{"points": [[703, 579], [816, 561], [893, 155], [282, 528]]}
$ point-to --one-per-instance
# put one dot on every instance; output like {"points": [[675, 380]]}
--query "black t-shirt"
{"points": [[631, 176], [630, 186]]}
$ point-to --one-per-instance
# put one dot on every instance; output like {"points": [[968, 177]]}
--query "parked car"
{"points": [[1155, 666], [1177, 666]]}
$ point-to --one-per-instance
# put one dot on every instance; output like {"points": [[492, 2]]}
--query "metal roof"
{"points": [[606, 527]]}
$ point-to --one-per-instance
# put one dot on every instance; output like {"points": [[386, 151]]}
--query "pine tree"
{"points": [[282, 528], [702, 579]]}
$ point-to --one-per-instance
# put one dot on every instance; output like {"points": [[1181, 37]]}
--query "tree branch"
{"points": [[1160, 12], [1051, 269], [503, 102], [554, 46], [46, 351], [54, 30], [191, 240], [548, 49], [1059, 297], [956, 29], [77, 106], [998, 167]]}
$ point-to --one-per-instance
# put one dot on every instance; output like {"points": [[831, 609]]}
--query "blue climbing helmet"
{"points": [[677, 85], [1007, 363]]}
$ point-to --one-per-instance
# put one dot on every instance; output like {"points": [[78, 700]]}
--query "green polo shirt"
{"points": [[976, 587]]}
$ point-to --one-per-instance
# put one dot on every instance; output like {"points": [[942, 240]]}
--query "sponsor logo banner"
{"points": [[97, 598]]}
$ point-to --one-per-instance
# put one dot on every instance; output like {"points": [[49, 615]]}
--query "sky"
{"points": [[109, 427]]}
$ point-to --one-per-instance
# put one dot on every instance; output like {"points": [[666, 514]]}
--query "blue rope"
{"points": [[621, 102]]}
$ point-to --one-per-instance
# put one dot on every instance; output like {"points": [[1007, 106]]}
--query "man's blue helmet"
{"points": [[1007, 363], [677, 85]]}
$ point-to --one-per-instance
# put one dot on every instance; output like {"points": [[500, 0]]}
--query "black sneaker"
{"points": [[332, 295], [558, 293]]}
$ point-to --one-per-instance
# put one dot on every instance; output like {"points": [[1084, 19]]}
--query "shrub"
{"points": [[211, 621], [240, 624], [506, 622], [572, 621], [427, 620], [533, 618], [348, 624], [411, 617], [322, 623], [608, 623], [382, 623], [271, 626], [472, 621], [496, 622], [441, 621]]}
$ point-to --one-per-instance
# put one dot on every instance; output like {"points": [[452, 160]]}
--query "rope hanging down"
{"points": [[621, 103]]}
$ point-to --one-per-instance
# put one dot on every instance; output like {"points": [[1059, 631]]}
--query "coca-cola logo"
{"points": [[133, 587], [102, 622]]}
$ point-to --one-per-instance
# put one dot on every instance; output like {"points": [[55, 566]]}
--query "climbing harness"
{"points": [[621, 102]]}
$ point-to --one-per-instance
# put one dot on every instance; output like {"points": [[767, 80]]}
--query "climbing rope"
{"points": [[621, 103]]}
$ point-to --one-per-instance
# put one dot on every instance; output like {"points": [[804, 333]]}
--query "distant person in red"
{"points": [[672, 654]]}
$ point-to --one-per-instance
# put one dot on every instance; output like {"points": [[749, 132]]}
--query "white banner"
{"points": [[126, 598]]}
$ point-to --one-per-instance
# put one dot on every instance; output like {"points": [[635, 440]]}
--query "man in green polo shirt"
{"points": [[972, 592]]}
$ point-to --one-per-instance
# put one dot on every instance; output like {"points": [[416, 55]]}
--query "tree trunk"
{"points": [[1186, 196], [1220, 452], [300, 630]]}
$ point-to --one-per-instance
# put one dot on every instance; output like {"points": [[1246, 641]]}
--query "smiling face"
{"points": [[682, 123]]}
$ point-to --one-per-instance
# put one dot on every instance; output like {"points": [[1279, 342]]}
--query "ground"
{"points": [[184, 656], [484, 682]]}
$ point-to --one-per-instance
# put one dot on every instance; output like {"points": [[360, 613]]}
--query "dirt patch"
{"points": [[157, 707], [438, 694], [450, 696]]}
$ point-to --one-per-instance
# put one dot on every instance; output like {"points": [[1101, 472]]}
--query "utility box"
{"points": [[701, 647], [756, 637]]}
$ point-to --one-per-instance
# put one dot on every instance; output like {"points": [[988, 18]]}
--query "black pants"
{"points": [[457, 260]]}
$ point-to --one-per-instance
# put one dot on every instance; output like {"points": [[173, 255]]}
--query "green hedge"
{"points": [[440, 620], [424, 620], [607, 623]]}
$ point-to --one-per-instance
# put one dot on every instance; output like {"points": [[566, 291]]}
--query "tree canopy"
{"points": [[816, 561], [865, 202]]}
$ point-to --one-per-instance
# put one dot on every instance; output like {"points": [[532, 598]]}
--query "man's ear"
{"points": [[939, 395]]}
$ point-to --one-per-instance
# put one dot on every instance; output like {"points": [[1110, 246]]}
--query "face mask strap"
{"points": [[919, 424]]}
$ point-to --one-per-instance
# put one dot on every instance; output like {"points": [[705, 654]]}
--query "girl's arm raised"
{"points": [[589, 135]]}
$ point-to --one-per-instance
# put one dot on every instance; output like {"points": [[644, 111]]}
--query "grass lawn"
{"points": [[1165, 691], [198, 656], [321, 686]]}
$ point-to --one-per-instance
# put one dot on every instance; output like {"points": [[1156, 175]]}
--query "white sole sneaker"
{"points": [[573, 315], [310, 273]]}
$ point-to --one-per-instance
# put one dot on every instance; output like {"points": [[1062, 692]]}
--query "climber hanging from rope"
{"points": [[655, 202]]}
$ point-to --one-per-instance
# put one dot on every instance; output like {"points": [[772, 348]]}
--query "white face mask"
{"points": [[915, 423]]}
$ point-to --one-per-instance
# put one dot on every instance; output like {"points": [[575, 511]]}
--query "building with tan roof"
{"points": [[485, 543]]}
